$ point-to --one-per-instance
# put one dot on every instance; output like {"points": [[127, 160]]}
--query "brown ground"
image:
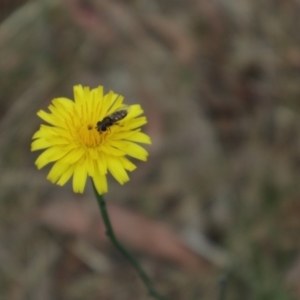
{"points": [[220, 194]]}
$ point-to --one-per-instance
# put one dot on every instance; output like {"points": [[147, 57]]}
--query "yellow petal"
{"points": [[55, 141], [133, 150], [90, 166], [107, 102], [74, 155], [101, 164], [110, 150], [50, 155], [97, 104], [78, 94], [122, 135], [135, 123], [40, 144], [139, 137], [49, 118], [46, 131], [100, 183], [134, 111], [117, 170], [60, 116], [79, 178], [66, 175], [127, 164], [57, 170], [63, 104], [116, 105]]}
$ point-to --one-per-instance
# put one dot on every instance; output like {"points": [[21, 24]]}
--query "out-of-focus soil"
{"points": [[219, 196]]}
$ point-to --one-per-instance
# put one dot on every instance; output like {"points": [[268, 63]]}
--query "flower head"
{"points": [[90, 136]]}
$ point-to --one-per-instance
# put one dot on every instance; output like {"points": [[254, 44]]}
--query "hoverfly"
{"points": [[110, 120]]}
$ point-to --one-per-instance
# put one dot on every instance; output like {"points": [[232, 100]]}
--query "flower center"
{"points": [[89, 136]]}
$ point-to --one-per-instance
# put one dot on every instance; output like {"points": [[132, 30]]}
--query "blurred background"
{"points": [[217, 205]]}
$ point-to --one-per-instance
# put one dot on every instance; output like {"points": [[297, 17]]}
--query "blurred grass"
{"points": [[219, 81]]}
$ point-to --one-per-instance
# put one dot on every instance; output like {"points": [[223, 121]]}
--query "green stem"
{"points": [[222, 286], [111, 235]]}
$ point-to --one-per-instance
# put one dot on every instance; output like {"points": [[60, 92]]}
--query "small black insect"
{"points": [[111, 120]]}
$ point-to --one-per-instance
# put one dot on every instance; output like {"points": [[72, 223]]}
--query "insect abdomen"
{"points": [[111, 120]]}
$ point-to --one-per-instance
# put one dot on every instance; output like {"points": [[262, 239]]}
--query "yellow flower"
{"points": [[79, 147]]}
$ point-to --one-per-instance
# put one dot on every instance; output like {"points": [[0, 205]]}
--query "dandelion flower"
{"points": [[80, 148]]}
